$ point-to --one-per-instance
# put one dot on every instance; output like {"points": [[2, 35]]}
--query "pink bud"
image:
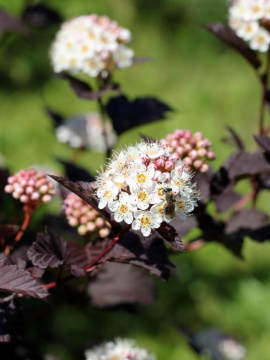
{"points": [[198, 135], [9, 188], [197, 164], [73, 221], [91, 226], [193, 154], [169, 165], [187, 147], [35, 196], [29, 190], [46, 198], [160, 163], [24, 199], [82, 229], [187, 161], [91, 215], [174, 143], [204, 168], [182, 141], [179, 133], [202, 152], [179, 150], [43, 189], [103, 233], [84, 219], [99, 222], [211, 155]]}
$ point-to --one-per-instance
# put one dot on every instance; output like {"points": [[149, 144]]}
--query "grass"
{"points": [[209, 88]]}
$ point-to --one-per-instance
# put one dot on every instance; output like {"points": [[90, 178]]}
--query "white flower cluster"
{"points": [[120, 349], [246, 18], [86, 131], [232, 350], [144, 186], [91, 44]]}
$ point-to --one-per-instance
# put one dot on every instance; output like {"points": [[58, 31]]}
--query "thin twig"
{"points": [[264, 83]]}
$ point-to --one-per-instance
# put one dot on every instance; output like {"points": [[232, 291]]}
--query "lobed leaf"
{"points": [[126, 114], [263, 142], [227, 35]]}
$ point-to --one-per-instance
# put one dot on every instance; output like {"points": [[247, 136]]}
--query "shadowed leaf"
{"points": [[76, 173], [227, 35], [76, 259], [13, 279], [121, 284], [57, 118], [85, 91], [263, 142], [8, 230], [126, 114], [226, 199], [236, 139], [41, 16], [183, 227], [49, 250]]}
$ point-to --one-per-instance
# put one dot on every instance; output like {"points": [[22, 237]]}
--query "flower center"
{"points": [[115, 357], [141, 178], [261, 39], [84, 48], [160, 192], [123, 209], [145, 220], [142, 196], [180, 205], [108, 194]]}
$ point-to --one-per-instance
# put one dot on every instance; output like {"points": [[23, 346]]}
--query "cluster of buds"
{"points": [[86, 132], [250, 20], [120, 349], [31, 188], [87, 220], [194, 150], [91, 44], [144, 186]]}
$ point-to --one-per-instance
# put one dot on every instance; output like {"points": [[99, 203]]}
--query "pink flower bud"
{"points": [[82, 229], [46, 198], [29, 190], [211, 155], [160, 163], [197, 164], [44, 189], [204, 168], [193, 154], [73, 221], [202, 152], [103, 233], [91, 226], [35, 196], [99, 222], [9, 188], [24, 198], [169, 165]]}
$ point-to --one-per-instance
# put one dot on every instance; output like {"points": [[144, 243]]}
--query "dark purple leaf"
{"points": [[169, 233], [126, 114], [41, 16], [243, 164], [251, 219], [49, 250], [57, 118], [76, 173], [237, 141], [183, 227], [226, 199], [263, 142], [13, 279], [76, 259], [11, 23], [4, 174], [121, 284], [84, 90], [149, 253], [203, 181], [264, 181], [85, 191], [227, 35]]}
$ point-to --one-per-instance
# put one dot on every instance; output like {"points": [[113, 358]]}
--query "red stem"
{"points": [[89, 267]]}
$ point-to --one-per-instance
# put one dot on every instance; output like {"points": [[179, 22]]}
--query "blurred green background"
{"points": [[209, 87]]}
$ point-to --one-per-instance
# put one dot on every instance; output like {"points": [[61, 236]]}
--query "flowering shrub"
{"points": [[194, 150], [145, 186], [118, 349], [92, 45], [248, 18], [81, 215]]}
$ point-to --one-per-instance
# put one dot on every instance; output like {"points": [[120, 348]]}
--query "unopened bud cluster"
{"points": [[250, 21], [193, 149], [120, 349], [144, 186], [87, 220], [91, 44], [30, 187]]}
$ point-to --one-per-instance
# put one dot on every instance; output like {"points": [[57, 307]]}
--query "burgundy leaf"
{"points": [[251, 219], [236, 139], [85, 191], [243, 164], [183, 227], [40, 16], [126, 114], [76, 173], [226, 199], [227, 35], [121, 284], [19, 281], [148, 253], [169, 233], [263, 142], [76, 259], [11, 23], [49, 250], [203, 181], [84, 90]]}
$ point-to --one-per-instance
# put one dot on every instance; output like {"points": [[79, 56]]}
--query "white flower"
{"points": [[141, 177], [179, 179], [143, 198], [123, 208], [145, 221], [120, 349], [184, 205], [260, 41], [247, 30], [91, 44], [107, 193]]}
